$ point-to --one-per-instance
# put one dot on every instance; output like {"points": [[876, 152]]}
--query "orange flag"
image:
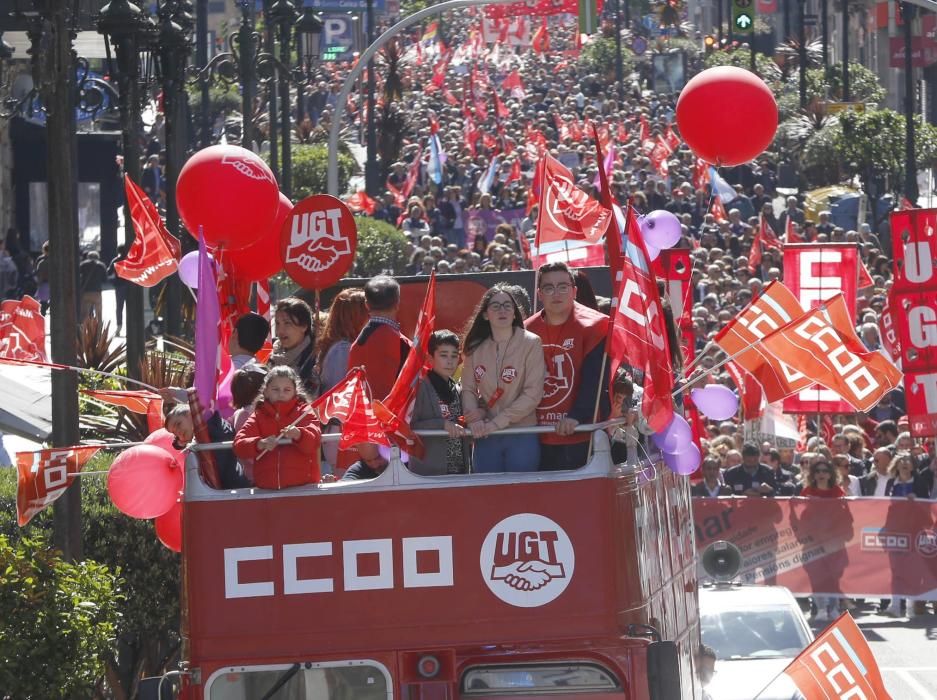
{"points": [[823, 345], [41, 477], [838, 664], [145, 402]]}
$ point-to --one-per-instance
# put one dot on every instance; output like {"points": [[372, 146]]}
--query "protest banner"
{"points": [[848, 547]]}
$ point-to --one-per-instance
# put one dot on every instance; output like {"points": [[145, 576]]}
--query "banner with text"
{"points": [[852, 547], [913, 307], [815, 272]]}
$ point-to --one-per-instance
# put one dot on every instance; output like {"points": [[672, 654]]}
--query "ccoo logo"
{"points": [[527, 560]]}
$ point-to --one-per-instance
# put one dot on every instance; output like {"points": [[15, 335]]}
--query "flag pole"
{"points": [[598, 399], [87, 370], [693, 380]]}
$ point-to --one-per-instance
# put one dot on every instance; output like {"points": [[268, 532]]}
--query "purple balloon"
{"points": [[716, 401], [188, 269], [661, 229], [685, 462], [675, 437]]}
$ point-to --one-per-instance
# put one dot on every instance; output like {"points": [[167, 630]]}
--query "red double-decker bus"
{"points": [[557, 584]]}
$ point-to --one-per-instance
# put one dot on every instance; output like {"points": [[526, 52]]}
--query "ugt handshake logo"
{"points": [[316, 243]]}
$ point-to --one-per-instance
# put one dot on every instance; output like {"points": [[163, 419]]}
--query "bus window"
{"points": [[533, 679], [359, 680]]}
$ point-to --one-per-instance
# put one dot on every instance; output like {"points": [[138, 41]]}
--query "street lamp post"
{"points": [[802, 50], [845, 50], [908, 12], [173, 42], [268, 75], [308, 42], [283, 15], [129, 29]]}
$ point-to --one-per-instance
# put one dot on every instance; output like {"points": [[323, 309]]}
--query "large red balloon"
{"points": [[230, 193], [169, 527], [144, 481], [727, 115], [261, 260], [164, 439]]}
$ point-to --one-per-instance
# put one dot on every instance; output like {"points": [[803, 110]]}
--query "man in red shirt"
{"points": [[573, 338], [380, 347]]}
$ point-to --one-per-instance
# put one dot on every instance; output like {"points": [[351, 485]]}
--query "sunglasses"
{"points": [[821, 470]]}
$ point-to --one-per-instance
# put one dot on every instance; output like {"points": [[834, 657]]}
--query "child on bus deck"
{"points": [[283, 413], [439, 406]]}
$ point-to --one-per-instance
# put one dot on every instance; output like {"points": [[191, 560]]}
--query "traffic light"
{"points": [[743, 16], [709, 43]]}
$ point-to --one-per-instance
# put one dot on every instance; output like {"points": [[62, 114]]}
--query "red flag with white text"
{"points": [[349, 402], [41, 477], [155, 252], [566, 212], [145, 402], [22, 330], [637, 334], [838, 664]]}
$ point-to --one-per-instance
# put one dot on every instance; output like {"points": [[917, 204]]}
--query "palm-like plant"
{"points": [[787, 56], [97, 348]]}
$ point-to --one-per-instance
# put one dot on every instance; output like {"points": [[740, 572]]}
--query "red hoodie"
{"points": [[287, 465]]}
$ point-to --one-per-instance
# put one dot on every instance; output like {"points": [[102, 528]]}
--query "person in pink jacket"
{"points": [[282, 413]]}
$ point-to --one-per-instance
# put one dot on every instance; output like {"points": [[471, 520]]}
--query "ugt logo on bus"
{"points": [[527, 560]]}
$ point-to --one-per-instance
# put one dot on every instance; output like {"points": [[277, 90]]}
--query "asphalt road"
{"points": [[906, 651]]}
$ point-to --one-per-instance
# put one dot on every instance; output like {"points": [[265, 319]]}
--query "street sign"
{"points": [[743, 16], [837, 107], [345, 5], [339, 37]]}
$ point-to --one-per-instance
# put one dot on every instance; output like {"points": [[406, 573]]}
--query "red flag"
{"points": [[700, 174], [145, 402], [751, 395], [155, 252], [470, 132], [350, 403], [718, 210], [399, 200], [637, 334], [776, 307], [400, 399], [754, 255], [513, 83], [645, 133], [621, 135], [613, 238], [672, 139], [44, 476], [865, 279], [536, 187], [838, 664], [768, 237], [447, 95], [790, 233], [540, 42], [566, 212], [515, 174], [802, 432], [500, 109], [361, 202], [22, 330], [823, 345], [413, 175]]}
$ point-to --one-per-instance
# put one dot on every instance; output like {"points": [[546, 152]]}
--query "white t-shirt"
{"points": [[880, 484]]}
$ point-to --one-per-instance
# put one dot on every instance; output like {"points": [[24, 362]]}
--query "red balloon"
{"points": [[727, 115], [164, 439], [169, 527], [144, 481], [261, 260], [230, 193], [318, 241]]}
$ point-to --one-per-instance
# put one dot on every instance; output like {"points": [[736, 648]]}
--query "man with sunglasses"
{"points": [[573, 338]]}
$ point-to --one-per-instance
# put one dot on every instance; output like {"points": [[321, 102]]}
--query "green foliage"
{"points": [[599, 56], [827, 84], [222, 99], [57, 621], [147, 630], [820, 161], [740, 58], [872, 143], [310, 170], [381, 248]]}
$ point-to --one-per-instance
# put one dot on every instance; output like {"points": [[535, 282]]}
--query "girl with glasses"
{"points": [[502, 383]]}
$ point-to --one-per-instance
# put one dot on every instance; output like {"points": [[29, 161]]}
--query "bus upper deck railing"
{"points": [[396, 474]]}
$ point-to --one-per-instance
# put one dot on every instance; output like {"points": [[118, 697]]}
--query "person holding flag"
{"points": [[573, 338]]}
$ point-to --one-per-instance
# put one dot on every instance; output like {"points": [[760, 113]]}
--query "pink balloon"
{"points": [[661, 229], [675, 437], [163, 438], [188, 269], [716, 401], [144, 481], [685, 462], [169, 527]]}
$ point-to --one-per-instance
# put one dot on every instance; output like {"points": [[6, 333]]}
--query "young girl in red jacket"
{"points": [[282, 413]]}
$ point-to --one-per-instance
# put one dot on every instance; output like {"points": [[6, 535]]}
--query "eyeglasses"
{"points": [[821, 470], [501, 306], [561, 289]]}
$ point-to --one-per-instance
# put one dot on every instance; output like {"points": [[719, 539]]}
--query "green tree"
{"points": [[739, 57], [599, 56], [827, 84], [871, 145], [310, 170], [381, 248], [57, 621], [147, 634]]}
